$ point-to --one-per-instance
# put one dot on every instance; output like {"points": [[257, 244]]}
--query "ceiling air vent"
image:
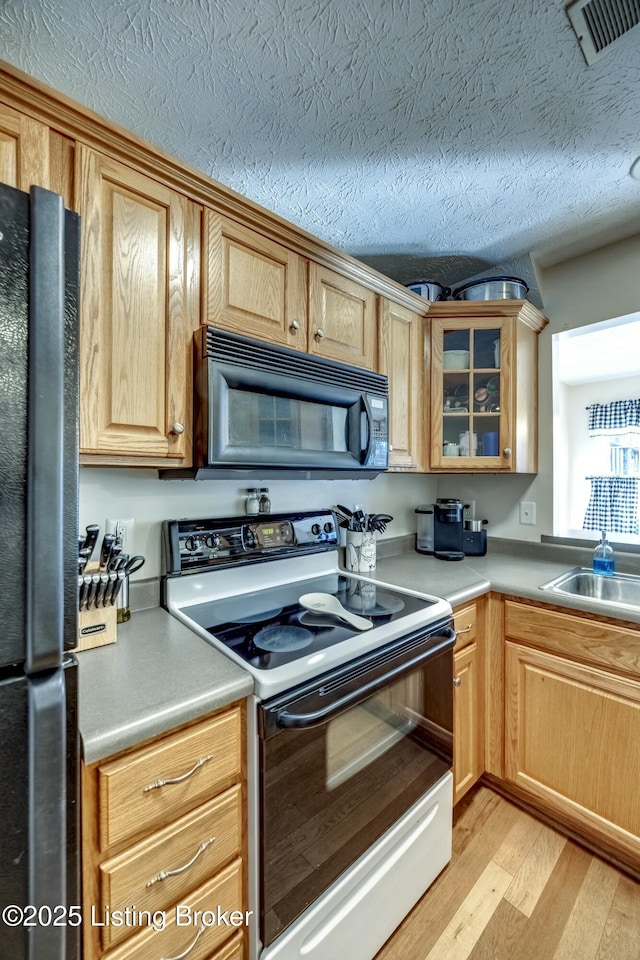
{"points": [[599, 23]]}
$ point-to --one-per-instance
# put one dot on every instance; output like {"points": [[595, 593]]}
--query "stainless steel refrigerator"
{"points": [[39, 796]]}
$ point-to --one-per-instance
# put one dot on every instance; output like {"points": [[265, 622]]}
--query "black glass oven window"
{"points": [[330, 791], [264, 420]]}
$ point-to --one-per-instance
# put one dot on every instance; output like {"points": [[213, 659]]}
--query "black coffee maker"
{"points": [[448, 529]]}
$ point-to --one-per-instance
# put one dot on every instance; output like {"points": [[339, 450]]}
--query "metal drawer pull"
{"points": [[457, 681], [185, 776], [186, 952], [466, 630], [164, 874]]}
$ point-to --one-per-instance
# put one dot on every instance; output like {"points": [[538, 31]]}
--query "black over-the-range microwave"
{"points": [[278, 412]]}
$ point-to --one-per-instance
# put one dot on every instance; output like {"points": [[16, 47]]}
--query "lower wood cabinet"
{"points": [[572, 722], [468, 701], [163, 847]]}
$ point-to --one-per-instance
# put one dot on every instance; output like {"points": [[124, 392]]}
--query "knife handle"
{"points": [[108, 542], [91, 538]]}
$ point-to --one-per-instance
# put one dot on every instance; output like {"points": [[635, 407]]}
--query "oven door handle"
{"points": [[285, 719]]}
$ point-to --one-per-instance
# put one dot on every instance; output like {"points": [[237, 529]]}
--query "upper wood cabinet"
{"points": [[24, 150], [484, 386], [252, 285], [255, 286], [139, 298], [401, 358], [342, 318]]}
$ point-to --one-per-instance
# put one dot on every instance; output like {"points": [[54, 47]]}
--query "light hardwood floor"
{"points": [[517, 890]]}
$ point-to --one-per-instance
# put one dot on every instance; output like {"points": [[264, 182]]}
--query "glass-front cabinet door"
{"points": [[470, 415]]}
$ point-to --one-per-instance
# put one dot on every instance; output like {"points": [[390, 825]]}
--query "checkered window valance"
{"points": [[620, 416], [613, 505]]}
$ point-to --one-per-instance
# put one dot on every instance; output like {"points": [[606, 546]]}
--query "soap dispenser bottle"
{"points": [[603, 557]]}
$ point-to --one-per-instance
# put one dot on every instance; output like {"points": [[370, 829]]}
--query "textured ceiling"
{"points": [[437, 138]]}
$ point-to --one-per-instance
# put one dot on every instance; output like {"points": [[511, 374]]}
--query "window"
{"points": [[594, 368]]}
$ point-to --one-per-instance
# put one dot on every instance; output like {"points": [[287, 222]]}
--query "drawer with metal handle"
{"points": [[465, 623], [190, 930], [164, 868], [151, 786]]}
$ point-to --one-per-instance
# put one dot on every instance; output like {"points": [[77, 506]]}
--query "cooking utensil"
{"points": [[359, 521], [429, 289], [327, 603], [344, 519], [492, 288]]}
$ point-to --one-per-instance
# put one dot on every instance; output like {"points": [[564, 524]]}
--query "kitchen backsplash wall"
{"points": [[119, 493]]}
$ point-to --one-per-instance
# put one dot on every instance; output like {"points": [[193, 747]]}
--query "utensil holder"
{"points": [[360, 555]]}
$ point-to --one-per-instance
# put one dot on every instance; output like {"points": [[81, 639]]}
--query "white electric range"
{"points": [[350, 732]]}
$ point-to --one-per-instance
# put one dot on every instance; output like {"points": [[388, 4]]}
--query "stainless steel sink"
{"points": [[619, 589]]}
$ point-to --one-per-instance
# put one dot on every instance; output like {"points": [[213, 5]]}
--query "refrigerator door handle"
{"points": [[47, 809], [45, 492]]}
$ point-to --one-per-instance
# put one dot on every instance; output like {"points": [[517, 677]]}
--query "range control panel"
{"points": [[191, 546]]}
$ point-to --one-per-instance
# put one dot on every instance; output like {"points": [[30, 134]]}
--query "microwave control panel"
{"points": [[191, 546]]}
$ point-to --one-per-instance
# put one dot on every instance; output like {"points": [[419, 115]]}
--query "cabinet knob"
{"points": [[457, 681], [319, 333], [177, 428], [507, 451], [294, 326], [390, 448]]}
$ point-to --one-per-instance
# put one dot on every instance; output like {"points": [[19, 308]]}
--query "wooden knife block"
{"points": [[96, 627]]}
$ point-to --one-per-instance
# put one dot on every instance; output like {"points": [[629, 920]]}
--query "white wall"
{"points": [[120, 493], [586, 289]]}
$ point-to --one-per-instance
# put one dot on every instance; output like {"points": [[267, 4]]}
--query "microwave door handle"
{"points": [[288, 720], [366, 431]]}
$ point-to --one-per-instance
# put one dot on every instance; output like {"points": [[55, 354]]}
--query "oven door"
{"points": [[343, 759]]}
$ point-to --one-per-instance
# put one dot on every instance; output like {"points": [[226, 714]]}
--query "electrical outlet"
{"points": [[124, 529], [469, 510], [527, 512]]}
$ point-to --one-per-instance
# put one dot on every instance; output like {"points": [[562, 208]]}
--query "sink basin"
{"points": [[619, 589]]}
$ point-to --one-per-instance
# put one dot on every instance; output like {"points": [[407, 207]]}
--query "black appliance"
{"points": [[447, 529], [39, 798], [271, 410]]}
